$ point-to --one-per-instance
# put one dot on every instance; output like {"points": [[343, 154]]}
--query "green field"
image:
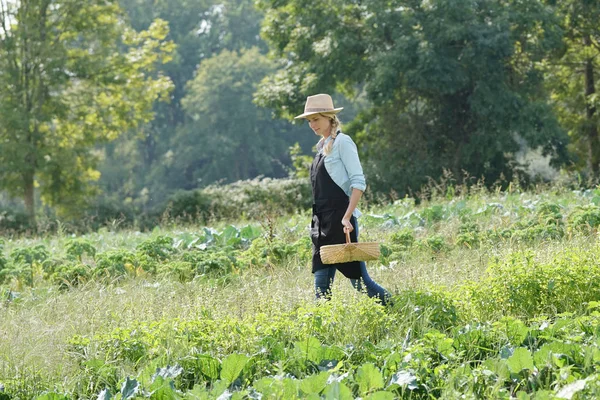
{"points": [[496, 296]]}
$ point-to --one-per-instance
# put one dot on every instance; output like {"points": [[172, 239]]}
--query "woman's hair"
{"points": [[336, 126]]}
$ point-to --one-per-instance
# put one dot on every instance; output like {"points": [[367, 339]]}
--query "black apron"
{"points": [[330, 203]]}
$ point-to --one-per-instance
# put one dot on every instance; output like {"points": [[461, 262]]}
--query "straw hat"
{"points": [[319, 103]]}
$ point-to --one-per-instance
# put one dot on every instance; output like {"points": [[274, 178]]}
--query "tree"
{"points": [[226, 137], [572, 78], [200, 29], [453, 84], [72, 74]]}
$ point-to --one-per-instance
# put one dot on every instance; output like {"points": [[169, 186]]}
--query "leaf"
{"points": [[168, 372], [381, 395], [405, 379], [209, 366], [105, 395], [338, 391], [232, 366], [368, 378], [229, 233], [129, 388], [520, 360], [506, 352], [314, 384], [52, 396], [569, 391], [311, 349], [522, 396], [163, 389], [250, 232]]}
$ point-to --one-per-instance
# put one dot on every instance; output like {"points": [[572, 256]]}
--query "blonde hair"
{"points": [[336, 126]]}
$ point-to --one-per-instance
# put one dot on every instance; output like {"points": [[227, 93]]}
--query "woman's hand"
{"points": [[347, 225]]}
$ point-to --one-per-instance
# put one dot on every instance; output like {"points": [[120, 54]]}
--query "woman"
{"points": [[337, 186]]}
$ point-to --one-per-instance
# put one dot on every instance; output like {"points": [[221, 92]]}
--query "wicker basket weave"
{"points": [[347, 252]]}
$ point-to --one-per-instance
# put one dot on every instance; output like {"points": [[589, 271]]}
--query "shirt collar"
{"points": [[322, 144]]}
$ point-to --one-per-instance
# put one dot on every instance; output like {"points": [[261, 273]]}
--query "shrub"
{"points": [[77, 248], [404, 238], [432, 309], [3, 261], [468, 235], [584, 217], [190, 206], [435, 243], [254, 198], [114, 264], [159, 248], [520, 286], [433, 214], [70, 274], [12, 220]]}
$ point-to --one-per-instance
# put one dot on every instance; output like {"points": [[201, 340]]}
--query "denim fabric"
{"points": [[324, 279], [343, 165]]}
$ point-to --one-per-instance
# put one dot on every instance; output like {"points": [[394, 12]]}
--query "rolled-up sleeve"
{"points": [[349, 157]]}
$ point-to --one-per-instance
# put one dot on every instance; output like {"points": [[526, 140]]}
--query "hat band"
{"points": [[317, 109]]}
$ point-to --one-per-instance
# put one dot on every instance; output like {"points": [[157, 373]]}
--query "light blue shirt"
{"points": [[343, 165]]}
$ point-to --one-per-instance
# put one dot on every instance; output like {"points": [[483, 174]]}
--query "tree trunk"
{"points": [[29, 197], [590, 110]]}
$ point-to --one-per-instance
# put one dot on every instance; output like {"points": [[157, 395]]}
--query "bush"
{"points": [[254, 198], [190, 206], [520, 286], [114, 264], [14, 220], [404, 238], [70, 274], [3, 261], [159, 248], [105, 211], [30, 255], [433, 310], [584, 218], [77, 248]]}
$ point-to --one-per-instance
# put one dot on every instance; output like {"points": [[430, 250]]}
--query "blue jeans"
{"points": [[324, 279]]}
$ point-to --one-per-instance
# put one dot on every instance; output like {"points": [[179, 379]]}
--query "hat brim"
{"points": [[334, 111]]}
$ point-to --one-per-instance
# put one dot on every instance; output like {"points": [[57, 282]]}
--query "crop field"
{"points": [[496, 295]]}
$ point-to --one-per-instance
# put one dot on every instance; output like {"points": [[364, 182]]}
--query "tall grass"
{"points": [[39, 322]]}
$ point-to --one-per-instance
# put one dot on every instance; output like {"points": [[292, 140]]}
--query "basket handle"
{"points": [[348, 241]]}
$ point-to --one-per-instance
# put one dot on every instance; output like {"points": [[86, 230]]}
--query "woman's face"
{"points": [[320, 124]]}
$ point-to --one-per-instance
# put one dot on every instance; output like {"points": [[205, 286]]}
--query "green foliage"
{"points": [[255, 198], [30, 255], [301, 163], [13, 220], [435, 243], [523, 287], [159, 248], [529, 326], [404, 238], [68, 275], [51, 120], [433, 214], [468, 235], [584, 217], [431, 309], [136, 167], [114, 264], [226, 137], [77, 248], [571, 78], [3, 261], [449, 82], [192, 205]]}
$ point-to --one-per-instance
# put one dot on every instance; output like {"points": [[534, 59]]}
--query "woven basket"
{"points": [[342, 253]]}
